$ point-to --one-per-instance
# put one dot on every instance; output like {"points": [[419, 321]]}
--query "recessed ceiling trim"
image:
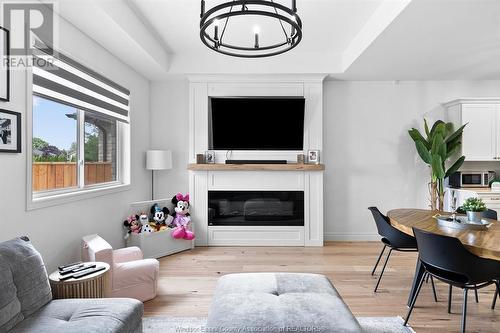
{"points": [[383, 16]]}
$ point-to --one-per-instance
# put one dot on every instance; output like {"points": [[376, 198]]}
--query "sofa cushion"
{"points": [[28, 273], [279, 302], [106, 315], [10, 307]]}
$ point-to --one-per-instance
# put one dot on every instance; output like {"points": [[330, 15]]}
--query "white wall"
{"points": [[56, 231], [170, 131], [369, 157]]}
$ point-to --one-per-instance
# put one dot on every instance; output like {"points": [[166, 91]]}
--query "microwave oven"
{"points": [[471, 179]]}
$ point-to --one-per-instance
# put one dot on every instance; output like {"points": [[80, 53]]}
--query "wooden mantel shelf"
{"points": [[256, 167]]}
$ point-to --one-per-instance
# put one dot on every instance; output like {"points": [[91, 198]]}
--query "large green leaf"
{"points": [[450, 151], [456, 135], [458, 163], [423, 152], [416, 136], [439, 129], [438, 125], [437, 166], [457, 142], [442, 151], [438, 146], [426, 128]]}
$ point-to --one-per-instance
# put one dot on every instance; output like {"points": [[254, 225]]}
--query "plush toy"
{"points": [[161, 217], [181, 217], [143, 218], [132, 225]]}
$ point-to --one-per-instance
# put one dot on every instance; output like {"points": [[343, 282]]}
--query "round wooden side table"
{"points": [[91, 286]]}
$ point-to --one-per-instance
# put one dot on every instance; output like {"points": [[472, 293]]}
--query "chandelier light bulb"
{"points": [[256, 31], [216, 30]]}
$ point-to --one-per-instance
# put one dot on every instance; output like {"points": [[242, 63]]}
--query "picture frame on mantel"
{"points": [[313, 156], [4, 65], [210, 157], [10, 132]]}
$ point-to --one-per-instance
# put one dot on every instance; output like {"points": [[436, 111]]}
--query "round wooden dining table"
{"points": [[483, 243]]}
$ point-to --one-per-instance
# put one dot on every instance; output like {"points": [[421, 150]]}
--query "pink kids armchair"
{"points": [[130, 275]]}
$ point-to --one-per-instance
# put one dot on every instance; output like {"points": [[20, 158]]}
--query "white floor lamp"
{"points": [[157, 160]]}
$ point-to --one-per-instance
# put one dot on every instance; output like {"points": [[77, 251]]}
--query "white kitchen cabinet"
{"points": [[491, 200], [481, 137]]}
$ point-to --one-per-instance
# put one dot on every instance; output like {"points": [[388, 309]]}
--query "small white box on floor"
{"points": [[156, 244]]}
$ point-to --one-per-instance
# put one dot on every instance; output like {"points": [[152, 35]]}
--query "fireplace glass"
{"points": [[256, 208]]}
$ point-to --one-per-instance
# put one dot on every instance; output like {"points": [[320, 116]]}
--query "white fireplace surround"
{"points": [[311, 182]]}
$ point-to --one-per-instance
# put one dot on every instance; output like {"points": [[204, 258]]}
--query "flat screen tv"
{"points": [[243, 123]]}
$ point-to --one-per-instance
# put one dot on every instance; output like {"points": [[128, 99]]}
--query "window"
{"points": [[55, 148], [54, 152], [99, 149], [80, 131]]}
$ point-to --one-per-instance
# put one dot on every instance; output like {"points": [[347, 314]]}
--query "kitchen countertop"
{"points": [[479, 190]]}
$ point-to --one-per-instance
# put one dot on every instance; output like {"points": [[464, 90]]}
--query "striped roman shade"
{"points": [[60, 78]]}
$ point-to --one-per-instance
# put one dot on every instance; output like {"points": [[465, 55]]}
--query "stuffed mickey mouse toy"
{"points": [[161, 217]]}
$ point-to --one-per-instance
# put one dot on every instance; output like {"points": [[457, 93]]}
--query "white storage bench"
{"points": [[156, 244]]}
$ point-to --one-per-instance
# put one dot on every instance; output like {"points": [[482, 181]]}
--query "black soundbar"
{"points": [[255, 161]]}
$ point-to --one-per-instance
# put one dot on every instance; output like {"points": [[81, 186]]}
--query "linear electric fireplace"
{"points": [[256, 208]]}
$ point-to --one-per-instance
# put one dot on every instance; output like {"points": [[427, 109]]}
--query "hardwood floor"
{"points": [[187, 281]]}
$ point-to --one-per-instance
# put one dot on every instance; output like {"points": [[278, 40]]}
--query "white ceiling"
{"points": [[435, 40], [333, 23], [348, 39]]}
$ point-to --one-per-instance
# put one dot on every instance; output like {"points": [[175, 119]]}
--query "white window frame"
{"points": [[81, 191]]}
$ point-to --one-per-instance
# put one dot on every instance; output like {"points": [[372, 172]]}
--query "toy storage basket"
{"points": [[156, 244]]}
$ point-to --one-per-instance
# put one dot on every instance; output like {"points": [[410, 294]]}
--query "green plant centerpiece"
{"points": [[474, 208], [436, 149]]}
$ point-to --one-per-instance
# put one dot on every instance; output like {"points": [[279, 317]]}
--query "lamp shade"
{"points": [[158, 159]]}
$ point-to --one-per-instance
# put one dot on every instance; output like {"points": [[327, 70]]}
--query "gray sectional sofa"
{"points": [[26, 303]]}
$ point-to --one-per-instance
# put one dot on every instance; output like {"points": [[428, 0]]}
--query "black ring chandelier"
{"points": [[218, 16]]}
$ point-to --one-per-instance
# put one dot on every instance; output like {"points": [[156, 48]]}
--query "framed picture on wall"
{"points": [[10, 132], [4, 65]]}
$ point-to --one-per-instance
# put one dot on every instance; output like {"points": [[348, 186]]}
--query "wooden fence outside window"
{"points": [[59, 175]]}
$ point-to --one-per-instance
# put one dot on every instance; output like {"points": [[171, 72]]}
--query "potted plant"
{"points": [[474, 208], [438, 146]]}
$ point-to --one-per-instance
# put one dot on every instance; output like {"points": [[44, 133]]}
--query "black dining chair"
{"points": [[446, 259], [497, 294], [490, 214], [394, 240]]}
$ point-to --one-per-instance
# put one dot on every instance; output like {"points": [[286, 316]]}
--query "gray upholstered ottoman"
{"points": [[279, 302]]}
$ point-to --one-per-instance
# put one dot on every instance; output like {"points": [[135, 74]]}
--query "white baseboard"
{"points": [[339, 236]]}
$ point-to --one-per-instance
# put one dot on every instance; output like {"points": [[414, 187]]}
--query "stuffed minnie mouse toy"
{"points": [[132, 225], [181, 217]]}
